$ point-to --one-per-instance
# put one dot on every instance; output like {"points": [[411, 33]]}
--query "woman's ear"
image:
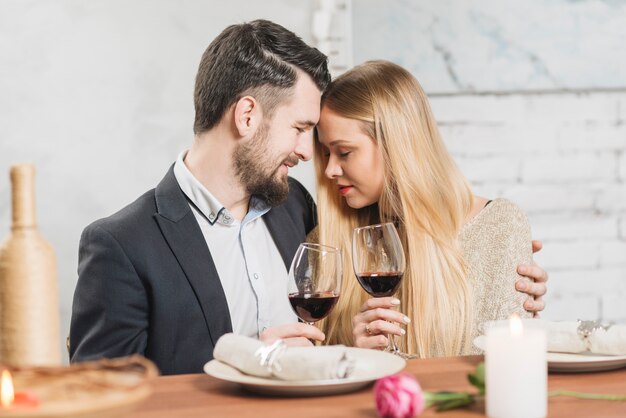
{"points": [[247, 115]]}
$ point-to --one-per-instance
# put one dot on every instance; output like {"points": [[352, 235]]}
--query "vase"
{"points": [[29, 308]]}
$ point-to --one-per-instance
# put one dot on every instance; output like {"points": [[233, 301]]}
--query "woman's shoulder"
{"points": [[501, 221], [504, 209], [501, 212]]}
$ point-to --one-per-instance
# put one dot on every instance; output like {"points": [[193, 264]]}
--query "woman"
{"points": [[380, 158]]}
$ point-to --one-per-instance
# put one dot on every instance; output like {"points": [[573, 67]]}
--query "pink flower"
{"points": [[399, 396]]}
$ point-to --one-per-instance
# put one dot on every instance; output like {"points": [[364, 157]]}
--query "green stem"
{"points": [[581, 395], [455, 403], [444, 401], [433, 397]]}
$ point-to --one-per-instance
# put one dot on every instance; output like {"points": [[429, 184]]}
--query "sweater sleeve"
{"points": [[494, 244], [511, 247]]}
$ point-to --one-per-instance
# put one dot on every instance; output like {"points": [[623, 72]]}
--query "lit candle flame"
{"points": [[7, 395], [516, 326]]}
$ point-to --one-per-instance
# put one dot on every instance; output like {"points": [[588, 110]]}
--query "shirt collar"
{"points": [[206, 203], [198, 195], [256, 208]]}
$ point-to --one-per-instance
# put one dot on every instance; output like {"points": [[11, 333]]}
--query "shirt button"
{"points": [[256, 276], [211, 216], [264, 328]]}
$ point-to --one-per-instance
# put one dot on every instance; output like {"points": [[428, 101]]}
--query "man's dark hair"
{"points": [[258, 58]]}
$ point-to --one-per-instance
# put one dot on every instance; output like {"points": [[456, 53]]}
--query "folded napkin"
{"points": [[574, 336], [253, 357], [580, 336]]}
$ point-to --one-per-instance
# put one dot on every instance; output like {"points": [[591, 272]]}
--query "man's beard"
{"points": [[256, 170]]}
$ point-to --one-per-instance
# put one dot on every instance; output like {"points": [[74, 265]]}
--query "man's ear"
{"points": [[248, 116]]}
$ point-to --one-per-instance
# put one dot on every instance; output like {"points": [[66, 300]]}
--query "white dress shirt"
{"points": [[251, 270]]}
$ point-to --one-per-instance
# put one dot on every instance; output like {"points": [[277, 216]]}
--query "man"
{"points": [[207, 251]]}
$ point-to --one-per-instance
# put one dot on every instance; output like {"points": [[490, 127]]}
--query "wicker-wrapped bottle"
{"points": [[29, 310]]}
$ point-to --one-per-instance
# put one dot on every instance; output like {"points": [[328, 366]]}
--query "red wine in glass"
{"points": [[314, 281], [379, 264], [380, 285], [312, 307]]}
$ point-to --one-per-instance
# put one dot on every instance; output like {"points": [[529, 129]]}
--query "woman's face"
{"points": [[355, 162]]}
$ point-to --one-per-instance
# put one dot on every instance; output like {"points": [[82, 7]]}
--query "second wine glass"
{"points": [[379, 264], [314, 281]]}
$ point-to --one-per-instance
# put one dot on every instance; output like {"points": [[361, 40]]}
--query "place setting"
{"points": [[298, 371], [574, 346], [314, 288]]}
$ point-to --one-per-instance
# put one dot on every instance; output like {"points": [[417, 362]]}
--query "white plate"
{"points": [[369, 366], [573, 363]]}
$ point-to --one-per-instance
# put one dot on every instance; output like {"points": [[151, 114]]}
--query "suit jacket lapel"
{"points": [[284, 232], [182, 233]]}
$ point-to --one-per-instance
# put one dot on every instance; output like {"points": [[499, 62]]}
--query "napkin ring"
{"points": [[270, 354], [587, 328], [345, 367]]}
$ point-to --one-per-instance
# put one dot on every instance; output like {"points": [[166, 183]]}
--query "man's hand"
{"points": [[533, 283], [296, 334]]}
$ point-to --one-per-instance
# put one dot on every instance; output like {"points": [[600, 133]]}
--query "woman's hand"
{"points": [[376, 319], [533, 283]]}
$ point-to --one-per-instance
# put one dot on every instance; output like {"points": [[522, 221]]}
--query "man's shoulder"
{"points": [[295, 187], [299, 206], [299, 198], [131, 217]]}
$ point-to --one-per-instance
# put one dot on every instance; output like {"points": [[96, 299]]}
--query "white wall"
{"points": [[531, 99], [99, 95], [497, 45]]}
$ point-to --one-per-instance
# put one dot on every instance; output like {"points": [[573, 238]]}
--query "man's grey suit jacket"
{"points": [[147, 282]]}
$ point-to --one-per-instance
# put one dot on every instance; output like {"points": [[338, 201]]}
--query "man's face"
{"points": [[262, 163]]}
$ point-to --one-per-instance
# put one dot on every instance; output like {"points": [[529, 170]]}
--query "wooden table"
{"points": [[198, 395]]}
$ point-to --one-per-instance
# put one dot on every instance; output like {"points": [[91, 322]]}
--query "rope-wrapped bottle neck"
{"points": [[23, 196]]}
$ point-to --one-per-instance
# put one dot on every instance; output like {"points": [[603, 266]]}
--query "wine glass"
{"points": [[379, 264], [314, 281]]}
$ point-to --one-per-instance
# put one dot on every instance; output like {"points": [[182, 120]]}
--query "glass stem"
{"points": [[392, 347], [311, 339]]}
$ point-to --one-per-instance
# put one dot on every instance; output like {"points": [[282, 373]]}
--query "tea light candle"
{"points": [[9, 399], [516, 371]]}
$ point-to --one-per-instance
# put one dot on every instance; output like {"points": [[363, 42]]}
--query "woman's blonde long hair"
{"points": [[424, 193]]}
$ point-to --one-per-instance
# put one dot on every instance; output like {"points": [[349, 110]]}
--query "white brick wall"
{"points": [[479, 170], [565, 255], [578, 167], [613, 254], [592, 137], [562, 158], [572, 306], [551, 198], [612, 198], [575, 226], [621, 105], [613, 307]]}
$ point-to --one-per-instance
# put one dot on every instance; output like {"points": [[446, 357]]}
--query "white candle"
{"points": [[516, 371]]}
